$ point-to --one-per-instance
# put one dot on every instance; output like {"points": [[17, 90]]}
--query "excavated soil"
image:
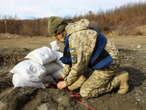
{"points": [[133, 59]]}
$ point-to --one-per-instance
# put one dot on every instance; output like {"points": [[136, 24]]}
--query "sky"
{"points": [[26, 9]]}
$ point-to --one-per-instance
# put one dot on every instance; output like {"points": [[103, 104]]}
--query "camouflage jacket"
{"points": [[82, 40]]}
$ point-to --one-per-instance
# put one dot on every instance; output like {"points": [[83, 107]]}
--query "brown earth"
{"points": [[132, 50]]}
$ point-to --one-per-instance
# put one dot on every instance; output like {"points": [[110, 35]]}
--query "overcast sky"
{"points": [[64, 8]]}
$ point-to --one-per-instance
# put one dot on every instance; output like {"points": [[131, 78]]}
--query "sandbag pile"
{"points": [[41, 65]]}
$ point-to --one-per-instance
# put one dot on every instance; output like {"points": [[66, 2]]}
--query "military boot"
{"points": [[123, 82]]}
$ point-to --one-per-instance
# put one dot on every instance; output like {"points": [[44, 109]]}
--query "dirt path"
{"points": [[133, 59]]}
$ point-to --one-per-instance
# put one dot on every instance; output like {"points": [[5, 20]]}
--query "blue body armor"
{"points": [[100, 57]]}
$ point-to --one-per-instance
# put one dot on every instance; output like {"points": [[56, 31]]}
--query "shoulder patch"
{"points": [[72, 50], [73, 55]]}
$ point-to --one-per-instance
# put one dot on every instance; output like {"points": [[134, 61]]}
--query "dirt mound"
{"points": [[12, 56]]}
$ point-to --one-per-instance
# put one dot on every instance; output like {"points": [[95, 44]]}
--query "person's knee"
{"points": [[84, 93]]}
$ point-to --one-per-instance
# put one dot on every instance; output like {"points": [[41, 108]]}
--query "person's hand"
{"points": [[61, 85]]}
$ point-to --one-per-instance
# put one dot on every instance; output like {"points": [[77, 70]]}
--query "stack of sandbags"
{"points": [[41, 65], [42, 55], [56, 48], [26, 73]]}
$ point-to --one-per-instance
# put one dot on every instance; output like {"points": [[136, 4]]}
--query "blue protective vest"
{"points": [[66, 59], [100, 57]]}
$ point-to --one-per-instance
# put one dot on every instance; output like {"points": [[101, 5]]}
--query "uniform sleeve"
{"points": [[76, 68], [66, 70], [111, 49]]}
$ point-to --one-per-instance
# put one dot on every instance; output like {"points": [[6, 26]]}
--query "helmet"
{"points": [[56, 25]]}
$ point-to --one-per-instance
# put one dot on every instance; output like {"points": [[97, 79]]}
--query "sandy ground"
{"points": [[133, 59]]}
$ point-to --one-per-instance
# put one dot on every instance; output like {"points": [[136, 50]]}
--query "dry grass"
{"points": [[123, 18], [35, 27], [128, 16]]}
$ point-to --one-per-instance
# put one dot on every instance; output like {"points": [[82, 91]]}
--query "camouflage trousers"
{"points": [[99, 82]]}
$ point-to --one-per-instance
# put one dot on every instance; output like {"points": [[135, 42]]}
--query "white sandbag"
{"points": [[42, 55], [54, 46], [29, 70], [45, 78], [20, 81], [59, 55], [53, 70], [57, 74], [52, 67]]}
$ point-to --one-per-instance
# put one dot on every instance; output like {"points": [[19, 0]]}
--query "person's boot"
{"points": [[123, 82]]}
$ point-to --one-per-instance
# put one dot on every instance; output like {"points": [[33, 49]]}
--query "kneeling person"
{"points": [[91, 61]]}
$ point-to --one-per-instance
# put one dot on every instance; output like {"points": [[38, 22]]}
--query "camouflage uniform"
{"points": [[83, 41]]}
